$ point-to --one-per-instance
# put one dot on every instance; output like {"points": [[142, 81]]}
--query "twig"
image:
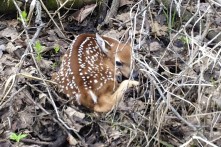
{"points": [[198, 138], [30, 141], [11, 97], [60, 122], [44, 7], [57, 12], [164, 98], [112, 12], [38, 69]]}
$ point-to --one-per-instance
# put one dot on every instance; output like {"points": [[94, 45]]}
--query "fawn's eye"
{"points": [[118, 63]]}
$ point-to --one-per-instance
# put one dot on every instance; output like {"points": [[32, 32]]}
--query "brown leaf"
{"points": [[125, 2], [9, 32], [45, 64], [10, 48], [81, 14], [42, 98], [2, 48], [72, 140], [73, 113], [158, 29], [155, 46]]}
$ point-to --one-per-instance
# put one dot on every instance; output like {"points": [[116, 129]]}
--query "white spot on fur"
{"points": [[78, 98], [93, 96]]}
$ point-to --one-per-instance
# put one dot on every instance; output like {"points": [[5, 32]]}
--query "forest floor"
{"points": [[177, 54]]}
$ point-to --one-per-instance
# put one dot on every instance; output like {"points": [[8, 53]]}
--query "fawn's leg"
{"points": [[107, 101]]}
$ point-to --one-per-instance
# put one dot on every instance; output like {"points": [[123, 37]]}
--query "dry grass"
{"points": [[178, 101]]}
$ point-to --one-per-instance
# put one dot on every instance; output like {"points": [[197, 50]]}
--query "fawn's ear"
{"points": [[104, 45]]}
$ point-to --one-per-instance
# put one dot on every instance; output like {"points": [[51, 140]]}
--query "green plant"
{"points": [[54, 65], [56, 48], [23, 16], [171, 23], [185, 40], [17, 137], [38, 49]]}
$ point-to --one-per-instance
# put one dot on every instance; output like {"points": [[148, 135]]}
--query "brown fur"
{"points": [[102, 72]]}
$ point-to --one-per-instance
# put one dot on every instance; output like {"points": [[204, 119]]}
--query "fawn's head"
{"points": [[118, 53]]}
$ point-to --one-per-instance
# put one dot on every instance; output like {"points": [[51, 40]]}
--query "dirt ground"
{"points": [[176, 50]]}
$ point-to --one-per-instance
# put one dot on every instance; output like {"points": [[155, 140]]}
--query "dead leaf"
{"points": [[42, 98], [26, 118], [13, 23], [204, 8], [45, 64], [73, 113], [2, 48], [10, 48], [81, 14], [158, 29], [9, 32], [7, 67], [124, 17], [218, 21], [72, 140], [114, 134], [125, 2], [155, 46], [114, 33]]}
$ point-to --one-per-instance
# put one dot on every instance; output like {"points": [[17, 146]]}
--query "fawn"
{"points": [[89, 69]]}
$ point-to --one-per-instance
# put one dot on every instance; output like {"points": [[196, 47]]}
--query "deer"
{"points": [[90, 68]]}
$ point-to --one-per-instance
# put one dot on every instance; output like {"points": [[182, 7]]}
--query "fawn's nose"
{"points": [[120, 77]]}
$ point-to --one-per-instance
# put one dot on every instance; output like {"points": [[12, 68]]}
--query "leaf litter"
{"points": [[175, 71]]}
